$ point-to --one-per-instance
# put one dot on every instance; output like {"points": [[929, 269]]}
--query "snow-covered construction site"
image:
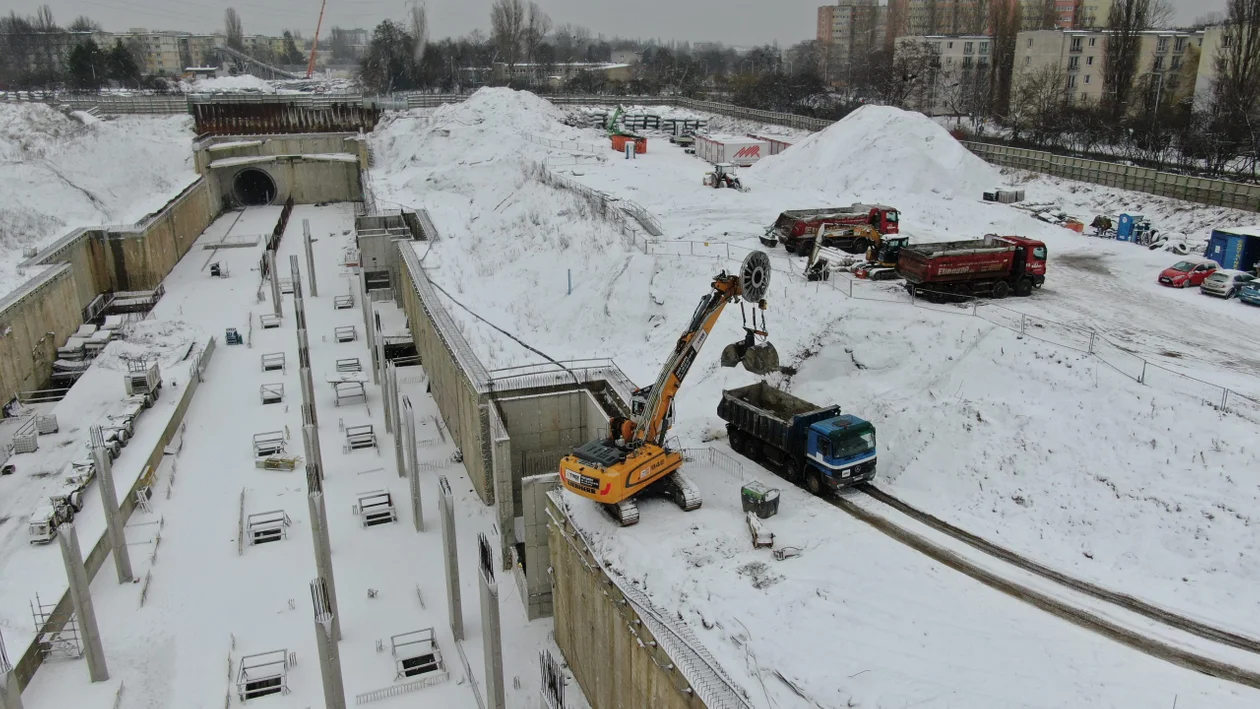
{"points": [[414, 408]]}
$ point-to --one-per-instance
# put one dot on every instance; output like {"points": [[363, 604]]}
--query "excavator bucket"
{"points": [[761, 359], [758, 359]]}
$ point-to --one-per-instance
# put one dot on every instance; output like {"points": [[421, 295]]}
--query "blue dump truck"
{"points": [[818, 446]]}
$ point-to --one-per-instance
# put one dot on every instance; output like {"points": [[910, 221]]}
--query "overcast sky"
{"points": [[738, 22]]}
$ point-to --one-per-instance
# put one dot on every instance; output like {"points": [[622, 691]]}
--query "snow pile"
{"points": [[57, 174], [167, 341], [491, 125], [28, 129], [244, 83], [881, 150]]}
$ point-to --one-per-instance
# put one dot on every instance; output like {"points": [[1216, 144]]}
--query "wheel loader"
{"points": [[633, 457]]}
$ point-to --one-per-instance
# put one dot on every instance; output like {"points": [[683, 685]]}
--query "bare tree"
{"points": [[1161, 14], [233, 29], [1040, 103], [1005, 21], [1126, 20], [83, 23], [507, 31], [537, 25], [974, 18], [419, 26]]}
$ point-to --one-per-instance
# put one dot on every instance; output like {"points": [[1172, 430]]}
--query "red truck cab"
{"points": [[1030, 258]]}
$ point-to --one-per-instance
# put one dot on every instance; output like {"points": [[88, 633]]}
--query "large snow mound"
{"points": [[884, 150], [28, 129], [57, 174]]}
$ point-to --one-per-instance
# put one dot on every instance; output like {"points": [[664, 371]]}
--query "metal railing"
{"points": [[545, 374]]}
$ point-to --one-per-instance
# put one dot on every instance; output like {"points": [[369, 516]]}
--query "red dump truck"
{"points": [[993, 266]]}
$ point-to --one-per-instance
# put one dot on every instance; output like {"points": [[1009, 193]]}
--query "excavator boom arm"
{"points": [[650, 425]]}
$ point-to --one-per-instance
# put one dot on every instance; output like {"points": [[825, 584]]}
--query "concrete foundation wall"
{"points": [[34, 320], [235, 146], [140, 257], [533, 578], [464, 408], [613, 656], [542, 426], [306, 181]]}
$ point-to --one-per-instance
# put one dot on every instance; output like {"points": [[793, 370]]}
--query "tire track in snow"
{"points": [[1087, 619]]}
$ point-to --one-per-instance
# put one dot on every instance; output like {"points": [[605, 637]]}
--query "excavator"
{"points": [[634, 458]]}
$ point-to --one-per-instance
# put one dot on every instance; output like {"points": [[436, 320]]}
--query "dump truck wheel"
{"points": [[803, 248], [1001, 289], [1024, 288], [813, 482]]}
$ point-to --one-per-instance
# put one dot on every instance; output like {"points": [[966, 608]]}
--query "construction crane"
{"points": [[310, 66], [634, 458]]}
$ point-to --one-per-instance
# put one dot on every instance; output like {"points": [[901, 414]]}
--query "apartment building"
{"points": [[959, 60], [851, 27], [919, 18], [1168, 63]]}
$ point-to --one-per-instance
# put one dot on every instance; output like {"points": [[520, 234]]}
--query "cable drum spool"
{"points": [[754, 276]]}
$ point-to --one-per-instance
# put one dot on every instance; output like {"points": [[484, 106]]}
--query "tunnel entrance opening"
{"points": [[254, 188]]}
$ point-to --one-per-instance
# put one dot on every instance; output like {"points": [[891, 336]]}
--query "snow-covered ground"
{"points": [[1035, 446], [58, 174]]}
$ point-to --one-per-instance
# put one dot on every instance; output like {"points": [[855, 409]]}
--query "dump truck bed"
{"points": [[950, 261], [771, 415]]}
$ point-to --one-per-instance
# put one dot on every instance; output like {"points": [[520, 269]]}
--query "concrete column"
{"points": [[383, 372], [10, 692], [310, 257], [367, 320], [326, 645], [491, 636], [275, 283], [109, 500], [379, 351], [323, 552], [446, 503], [81, 596], [410, 463]]}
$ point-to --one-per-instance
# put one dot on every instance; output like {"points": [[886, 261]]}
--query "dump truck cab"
{"points": [[842, 449], [1030, 259], [885, 219]]}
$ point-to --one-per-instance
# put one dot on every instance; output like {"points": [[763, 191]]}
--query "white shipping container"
{"points": [[737, 150]]}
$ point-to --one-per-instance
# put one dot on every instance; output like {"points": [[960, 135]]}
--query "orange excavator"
{"points": [[634, 458]]}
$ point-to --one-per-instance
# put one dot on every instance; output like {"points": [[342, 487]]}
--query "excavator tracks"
{"points": [[682, 491], [624, 513]]}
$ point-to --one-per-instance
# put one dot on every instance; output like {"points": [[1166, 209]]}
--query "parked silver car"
{"points": [[1225, 283]]}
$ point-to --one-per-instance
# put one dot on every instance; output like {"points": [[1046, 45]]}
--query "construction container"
{"points": [[142, 378], [776, 146], [759, 499], [619, 142], [737, 150]]}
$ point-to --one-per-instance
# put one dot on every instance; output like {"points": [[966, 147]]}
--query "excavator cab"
{"points": [[754, 352]]}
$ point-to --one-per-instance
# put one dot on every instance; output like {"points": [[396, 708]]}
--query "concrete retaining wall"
{"points": [[457, 379], [214, 148], [34, 320], [139, 257], [32, 658], [614, 657], [305, 180]]}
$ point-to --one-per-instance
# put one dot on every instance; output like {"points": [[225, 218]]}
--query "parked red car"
{"points": [[1187, 273]]}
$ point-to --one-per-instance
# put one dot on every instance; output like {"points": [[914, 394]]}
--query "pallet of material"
{"points": [[273, 361], [269, 321], [271, 393], [349, 364], [360, 437], [278, 462], [343, 302], [376, 507], [347, 333]]}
